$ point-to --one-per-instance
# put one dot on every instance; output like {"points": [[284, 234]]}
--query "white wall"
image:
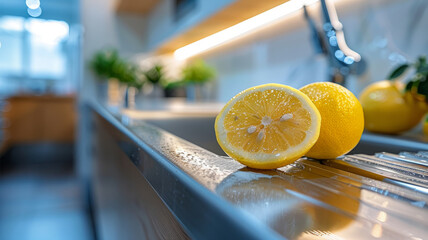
{"points": [[162, 25], [133, 35], [384, 32], [102, 27]]}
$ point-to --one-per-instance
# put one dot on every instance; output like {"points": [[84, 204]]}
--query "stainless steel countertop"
{"points": [[305, 200]]}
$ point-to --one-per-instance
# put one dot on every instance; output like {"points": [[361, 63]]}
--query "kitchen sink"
{"points": [[199, 130], [384, 177]]}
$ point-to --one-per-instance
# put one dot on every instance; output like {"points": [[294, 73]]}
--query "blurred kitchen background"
{"points": [[56, 56]]}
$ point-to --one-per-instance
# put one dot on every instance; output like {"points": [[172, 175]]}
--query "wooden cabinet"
{"points": [[31, 119]]}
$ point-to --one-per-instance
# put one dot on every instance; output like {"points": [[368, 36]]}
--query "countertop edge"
{"points": [[213, 205]]}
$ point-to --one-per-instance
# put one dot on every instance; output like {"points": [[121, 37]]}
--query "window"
{"points": [[11, 42], [32, 50], [47, 57]]}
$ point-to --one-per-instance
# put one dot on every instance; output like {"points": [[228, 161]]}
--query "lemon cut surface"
{"points": [[268, 126]]}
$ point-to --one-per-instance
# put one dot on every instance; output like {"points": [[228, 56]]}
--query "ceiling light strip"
{"points": [[241, 28]]}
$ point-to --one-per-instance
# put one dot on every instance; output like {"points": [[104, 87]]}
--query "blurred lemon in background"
{"points": [[342, 119], [388, 110], [425, 126]]}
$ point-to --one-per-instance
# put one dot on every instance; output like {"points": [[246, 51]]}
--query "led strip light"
{"points": [[241, 28]]}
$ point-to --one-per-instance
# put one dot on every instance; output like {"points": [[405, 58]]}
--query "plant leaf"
{"points": [[409, 86], [398, 71], [198, 72], [421, 62], [423, 87], [422, 70]]}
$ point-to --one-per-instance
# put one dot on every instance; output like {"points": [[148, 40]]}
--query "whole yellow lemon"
{"points": [[388, 110], [342, 119], [425, 126]]}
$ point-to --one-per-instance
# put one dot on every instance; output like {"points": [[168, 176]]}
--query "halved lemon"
{"points": [[268, 126]]}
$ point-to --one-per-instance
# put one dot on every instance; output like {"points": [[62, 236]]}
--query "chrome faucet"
{"points": [[342, 60]]}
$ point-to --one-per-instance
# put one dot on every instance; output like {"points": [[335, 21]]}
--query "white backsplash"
{"points": [[384, 32]]}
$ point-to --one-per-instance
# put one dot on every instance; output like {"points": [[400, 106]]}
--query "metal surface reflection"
{"points": [[264, 195], [277, 198], [304, 201]]}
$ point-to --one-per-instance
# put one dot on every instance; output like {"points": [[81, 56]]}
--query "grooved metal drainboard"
{"points": [[406, 158], [393, 167], [422, 154], [386, 189], [398, 176], [419, 158], [390, 159], [406, 169]]}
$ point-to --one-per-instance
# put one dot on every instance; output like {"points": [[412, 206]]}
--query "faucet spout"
{"points": [[343, 61]]}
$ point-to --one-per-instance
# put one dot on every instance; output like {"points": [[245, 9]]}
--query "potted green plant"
{"points": [[130, 75], [175, 88], [101, 65], [107, 65], [155, 77], [195, 75]]}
